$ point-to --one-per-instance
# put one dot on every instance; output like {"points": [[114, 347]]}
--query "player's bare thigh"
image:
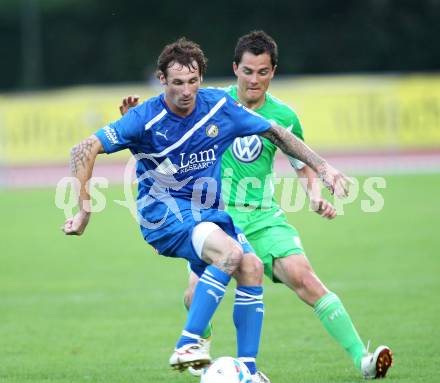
{"points": [[296, 273]]}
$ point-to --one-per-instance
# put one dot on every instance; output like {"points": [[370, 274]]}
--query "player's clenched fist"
{"points": [[76, 225]]}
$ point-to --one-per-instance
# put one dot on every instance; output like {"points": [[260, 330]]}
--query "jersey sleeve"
{"points": [[121, 134], [246, 122], [296, 127]]}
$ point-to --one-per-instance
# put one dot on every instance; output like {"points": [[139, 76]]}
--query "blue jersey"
{"points": [[179, 158]]}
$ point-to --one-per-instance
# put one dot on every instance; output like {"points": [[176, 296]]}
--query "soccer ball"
{"points": [[226, 370]]}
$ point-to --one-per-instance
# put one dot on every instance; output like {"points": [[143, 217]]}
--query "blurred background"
{"points": [[364, 78]]}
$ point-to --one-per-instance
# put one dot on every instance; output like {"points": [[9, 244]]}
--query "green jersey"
{"points": [[247, 165]]}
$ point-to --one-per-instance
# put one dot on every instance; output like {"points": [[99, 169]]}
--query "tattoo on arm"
{"points": [[82, 159], [81, 154], [293, 146]]}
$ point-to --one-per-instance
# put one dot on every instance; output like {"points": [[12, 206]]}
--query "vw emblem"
{"points": [[247, 149]]}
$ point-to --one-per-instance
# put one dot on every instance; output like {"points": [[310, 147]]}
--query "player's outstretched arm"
{"points": [[82, 160], [309, 181], [335, 181]]}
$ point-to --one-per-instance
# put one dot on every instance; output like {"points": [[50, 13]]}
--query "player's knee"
{"points": [[230, 259], [305, 280], [235, 256], [250, 272], [251, 266], [309, 282]]}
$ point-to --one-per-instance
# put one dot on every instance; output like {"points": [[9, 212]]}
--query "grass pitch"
{"points": [[105, 308]]}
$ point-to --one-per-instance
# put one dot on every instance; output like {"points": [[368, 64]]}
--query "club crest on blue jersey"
{"points": [[247, 149], [212, 130]]}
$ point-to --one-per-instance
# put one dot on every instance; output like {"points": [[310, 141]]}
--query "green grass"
{"points": [[105, 308]]}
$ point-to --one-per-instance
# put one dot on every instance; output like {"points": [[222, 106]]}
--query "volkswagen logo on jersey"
{"points": [[247, 149]]}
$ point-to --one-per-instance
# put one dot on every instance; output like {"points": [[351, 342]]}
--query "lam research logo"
{"points": [[212, 130], [247, 149]]}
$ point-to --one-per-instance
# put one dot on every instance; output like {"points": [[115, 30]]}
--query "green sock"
{"points": [[338, 324], [208, 330]]}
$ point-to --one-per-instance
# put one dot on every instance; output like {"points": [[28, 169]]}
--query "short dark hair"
{"points": [[257, 43], [184, 52]]}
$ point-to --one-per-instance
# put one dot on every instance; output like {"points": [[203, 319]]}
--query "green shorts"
{"points": [[270, 235]]}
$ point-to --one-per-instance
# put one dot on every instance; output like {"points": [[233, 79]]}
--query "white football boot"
{"points": [[259, 377], [206, 345], [375, 365], [189, 355]]}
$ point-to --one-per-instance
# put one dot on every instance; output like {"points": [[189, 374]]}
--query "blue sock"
{"points": [[248, 320], [207, 296]]}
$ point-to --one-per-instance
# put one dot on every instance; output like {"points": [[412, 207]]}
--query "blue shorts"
{"points": [[174, 238]]}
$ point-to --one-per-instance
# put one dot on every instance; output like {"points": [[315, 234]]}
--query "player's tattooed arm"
{"points": [[82, 160], [334, 180], [82, 153], [293, 146]]}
